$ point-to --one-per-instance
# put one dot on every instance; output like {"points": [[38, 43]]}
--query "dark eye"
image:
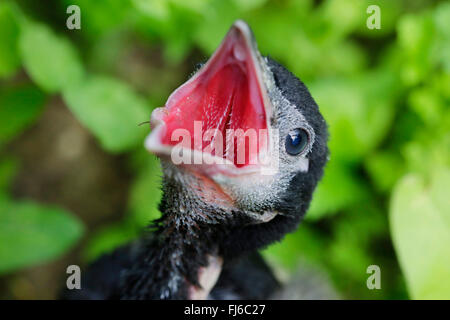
{"points": [[296, 141]]}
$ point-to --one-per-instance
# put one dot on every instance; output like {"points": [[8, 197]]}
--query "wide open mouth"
{"points": [[221, 114]]}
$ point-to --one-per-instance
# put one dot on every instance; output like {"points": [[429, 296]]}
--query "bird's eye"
{"points": [[296, 141]]}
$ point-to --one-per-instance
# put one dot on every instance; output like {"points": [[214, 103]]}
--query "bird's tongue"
{"points": [[223, 97]]}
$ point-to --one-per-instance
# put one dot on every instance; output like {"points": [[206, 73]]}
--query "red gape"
{"points": [[224, 95]]}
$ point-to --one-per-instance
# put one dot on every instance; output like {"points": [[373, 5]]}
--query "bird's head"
{"points": [[244, 135]]}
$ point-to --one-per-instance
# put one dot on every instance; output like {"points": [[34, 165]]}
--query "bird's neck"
{"points": [[182, 260]]}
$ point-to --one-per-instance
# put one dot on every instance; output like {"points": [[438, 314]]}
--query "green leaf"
{"points": [[359, 111], [442, 23], [338, 189], [108, 239], [32, 234], [427, 104], [305, 243], [110, 110], [439, 194], [350, 249], [429, 149], [19, 107], [8, 168], [146, 194], [416, 34], [50, 60], [9, 33], [350, 13], [420, 227], [349, 258], [384, 168]]}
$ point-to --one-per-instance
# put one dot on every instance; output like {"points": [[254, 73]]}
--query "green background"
{"points": [[75, 180]]}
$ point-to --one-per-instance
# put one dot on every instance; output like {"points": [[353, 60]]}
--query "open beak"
{"points": [[219, 119]]}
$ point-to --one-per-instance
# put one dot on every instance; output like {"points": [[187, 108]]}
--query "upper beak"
{"points": [[228, 92]]}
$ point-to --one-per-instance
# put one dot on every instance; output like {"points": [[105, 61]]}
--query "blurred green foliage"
{"points": [[32, 233], [384, 93]]}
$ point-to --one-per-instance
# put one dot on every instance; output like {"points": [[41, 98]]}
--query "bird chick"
{"points": [[242, 147]]}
